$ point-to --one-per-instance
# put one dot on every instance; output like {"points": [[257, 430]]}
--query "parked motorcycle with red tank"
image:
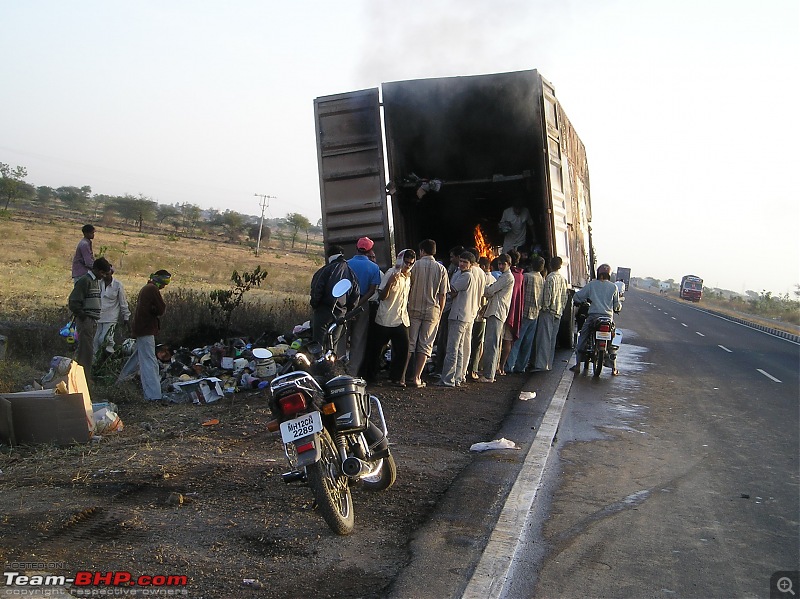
{"points": [[334, 433]]}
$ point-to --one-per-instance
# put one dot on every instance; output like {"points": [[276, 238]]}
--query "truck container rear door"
{"points": [[352, 180], [556, 178]]}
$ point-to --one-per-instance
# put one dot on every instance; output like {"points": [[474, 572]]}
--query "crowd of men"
{"points": [[98, 302], [470, 320], [474, 319]]}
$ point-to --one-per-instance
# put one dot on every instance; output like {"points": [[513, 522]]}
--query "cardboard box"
{"points": [[44, 417], [47, 416], [202, 391]]}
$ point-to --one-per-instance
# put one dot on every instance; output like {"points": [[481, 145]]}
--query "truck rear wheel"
{"points": [[566, 330]]}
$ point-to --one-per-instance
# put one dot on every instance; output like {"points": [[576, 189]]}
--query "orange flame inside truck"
{"points": [[483, 247]]}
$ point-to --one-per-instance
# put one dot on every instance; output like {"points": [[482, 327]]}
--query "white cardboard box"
{"points": [[202, 391]]}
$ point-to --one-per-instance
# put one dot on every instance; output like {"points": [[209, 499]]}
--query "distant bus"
{"points": [[691, 288]]}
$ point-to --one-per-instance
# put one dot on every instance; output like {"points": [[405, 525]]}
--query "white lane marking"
{"points": [[494, 566], [699, 333], [683, 324], [768, 375], [741, 324], [725, 348], [673, 318]]}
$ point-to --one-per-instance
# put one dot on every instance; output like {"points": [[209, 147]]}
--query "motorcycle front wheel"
{"points": [[599, 357], [330, 488]]}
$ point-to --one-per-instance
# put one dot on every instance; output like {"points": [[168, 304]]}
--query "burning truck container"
{"points": [[442, 158]]}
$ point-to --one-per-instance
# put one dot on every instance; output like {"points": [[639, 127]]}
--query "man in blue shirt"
{"points": [[369, 277], [604, 298]]}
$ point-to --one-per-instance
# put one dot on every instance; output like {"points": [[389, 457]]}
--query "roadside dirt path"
{"points": [[170, 496]]}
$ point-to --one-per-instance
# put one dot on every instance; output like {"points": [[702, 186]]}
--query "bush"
{"points": [[33, 341], [189, 321]]}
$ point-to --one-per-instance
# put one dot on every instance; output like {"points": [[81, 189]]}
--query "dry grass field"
{"points": [[37, 257], [35, 282]]}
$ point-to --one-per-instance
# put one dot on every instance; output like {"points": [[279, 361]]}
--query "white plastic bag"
{"points": [[501, 443], [106, 421]]}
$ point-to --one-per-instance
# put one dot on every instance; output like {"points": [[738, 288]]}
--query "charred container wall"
{"points": [[485, 139], [480, 136]]}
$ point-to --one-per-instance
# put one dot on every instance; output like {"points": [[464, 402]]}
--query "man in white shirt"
{"points": [[113, 304], [499, 294], [517, 224], [467, 287], [391, 320]]}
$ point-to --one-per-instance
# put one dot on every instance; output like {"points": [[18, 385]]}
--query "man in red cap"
{"points": [[369, 277]]}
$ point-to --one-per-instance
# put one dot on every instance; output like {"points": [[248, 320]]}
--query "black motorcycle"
{"points": [[602, 342], [334, 432]]}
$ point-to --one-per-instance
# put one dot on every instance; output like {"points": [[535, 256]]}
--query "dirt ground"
{"points": [[168, 496]]}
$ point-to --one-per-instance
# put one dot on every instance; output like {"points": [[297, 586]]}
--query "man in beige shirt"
{"points": [[429, 286]]}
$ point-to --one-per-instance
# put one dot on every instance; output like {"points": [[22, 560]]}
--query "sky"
{"points": [[687, 108]]}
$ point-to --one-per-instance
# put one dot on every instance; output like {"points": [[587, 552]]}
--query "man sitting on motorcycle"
{"points": [[603, 296]]}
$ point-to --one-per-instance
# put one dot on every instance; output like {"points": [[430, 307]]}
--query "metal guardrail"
{"points": [[755, 325], [760, 327]]}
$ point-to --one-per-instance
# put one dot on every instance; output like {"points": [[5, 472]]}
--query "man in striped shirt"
{"points": [[554, 300], [534, 288], [85, 304]]}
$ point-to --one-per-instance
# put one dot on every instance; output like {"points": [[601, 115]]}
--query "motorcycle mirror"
{"points": [[315, 348], [342, 287]]}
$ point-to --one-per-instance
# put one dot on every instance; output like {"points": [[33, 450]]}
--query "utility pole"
{"points": [[264, 204]]}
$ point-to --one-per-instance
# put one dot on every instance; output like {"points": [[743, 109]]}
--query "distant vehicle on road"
{"points": [[691, 288], [624, 275]]}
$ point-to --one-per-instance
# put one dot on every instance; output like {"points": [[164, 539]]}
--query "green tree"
{"points": [[11, 182], [214, 217], [126, 208], [252, 233], [100, 203], [232, 223], [166, 212], [74, 198], [136, 210], [296, 223], [190, 216], [45, 194]]}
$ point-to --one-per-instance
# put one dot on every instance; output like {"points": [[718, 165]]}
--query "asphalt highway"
{"points": [[678, 478]]}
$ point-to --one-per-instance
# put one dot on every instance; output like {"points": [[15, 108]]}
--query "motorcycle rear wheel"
{"points": [[384, 476], [599, 357], [330, 488]]}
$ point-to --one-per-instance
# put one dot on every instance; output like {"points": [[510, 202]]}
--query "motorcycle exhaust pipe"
{"points": [[353, 467], [294, 476]]}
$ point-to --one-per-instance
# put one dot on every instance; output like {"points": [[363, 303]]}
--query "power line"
{"points": [[264, 204]]}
